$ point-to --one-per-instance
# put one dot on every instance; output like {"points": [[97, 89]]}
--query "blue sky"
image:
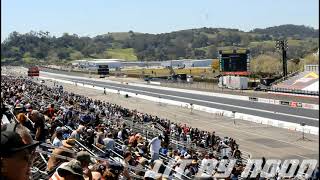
{"points": [[93, 17]]}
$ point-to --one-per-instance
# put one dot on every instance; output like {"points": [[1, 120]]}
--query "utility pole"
{"points": [[283, 46]]}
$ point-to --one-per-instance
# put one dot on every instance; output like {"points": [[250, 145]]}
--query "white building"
{"points": [[188, 63], [94, 63]]}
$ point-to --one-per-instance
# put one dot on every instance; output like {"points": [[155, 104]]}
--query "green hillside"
{"points": [[201, 43], [127, 54]]}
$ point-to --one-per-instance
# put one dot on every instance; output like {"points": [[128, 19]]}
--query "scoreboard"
{"points": [[234, 62], [103, 69]]}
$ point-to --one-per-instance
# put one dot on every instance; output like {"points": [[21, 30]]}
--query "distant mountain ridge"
{"points": [[289, 30]]}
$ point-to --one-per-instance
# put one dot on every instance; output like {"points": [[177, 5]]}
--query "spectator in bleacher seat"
{"points": [[113, 171], [237, 153], [126, 158], [124, 132], [18, 108], [109, 142], [88, 138], [64, 150], [96, 175], [68, 171], [84, 158], [17, 152], [51, 111], [154, 146], [76, 133], [57, 141]]}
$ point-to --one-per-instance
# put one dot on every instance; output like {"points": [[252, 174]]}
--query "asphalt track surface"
{"points": [[272, 111]]}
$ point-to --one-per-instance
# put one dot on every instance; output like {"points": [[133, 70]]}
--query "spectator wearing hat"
{"points": [[84, 158], [64, 150], [18, 108], [17, 149], [68, 171]]}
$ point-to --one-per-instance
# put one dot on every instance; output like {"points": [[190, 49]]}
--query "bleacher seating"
{"points": [[306, 81]]}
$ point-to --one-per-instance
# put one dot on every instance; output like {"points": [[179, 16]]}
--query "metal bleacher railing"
{"points": [[295, 91]]}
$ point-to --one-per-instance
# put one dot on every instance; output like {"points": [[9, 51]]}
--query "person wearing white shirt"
{"points": [[154, 147], [57, 140]]}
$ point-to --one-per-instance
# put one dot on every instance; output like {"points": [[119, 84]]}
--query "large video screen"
{"points": [[103, 69], [233, 62]]}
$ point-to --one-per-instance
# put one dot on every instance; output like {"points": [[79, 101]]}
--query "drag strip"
{"points": [[277, 112]]}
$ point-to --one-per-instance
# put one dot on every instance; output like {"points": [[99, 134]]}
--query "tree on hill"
{"points": [[311, 59], [266, 64]]}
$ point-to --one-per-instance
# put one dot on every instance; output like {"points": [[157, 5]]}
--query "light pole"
{"points": [[283, 46], [303, 138]]}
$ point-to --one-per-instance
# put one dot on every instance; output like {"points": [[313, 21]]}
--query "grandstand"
{"points": [[69, 112], [305, 82]]}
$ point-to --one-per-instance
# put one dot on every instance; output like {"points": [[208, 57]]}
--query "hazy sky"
{"points": [[92, 17]]}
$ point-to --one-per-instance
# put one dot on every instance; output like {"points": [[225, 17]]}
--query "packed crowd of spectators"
{"points": [[94, 139]]}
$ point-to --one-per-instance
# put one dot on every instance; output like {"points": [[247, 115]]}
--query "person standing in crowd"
{"points": [[17, 149], [23, 120], [39, 125], [154, 147]]}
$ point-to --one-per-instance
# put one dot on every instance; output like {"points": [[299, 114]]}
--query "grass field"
{"points": [[126, 54]]}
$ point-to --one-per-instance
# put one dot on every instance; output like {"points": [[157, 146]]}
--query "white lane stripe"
{"points": [[216, 103]]}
